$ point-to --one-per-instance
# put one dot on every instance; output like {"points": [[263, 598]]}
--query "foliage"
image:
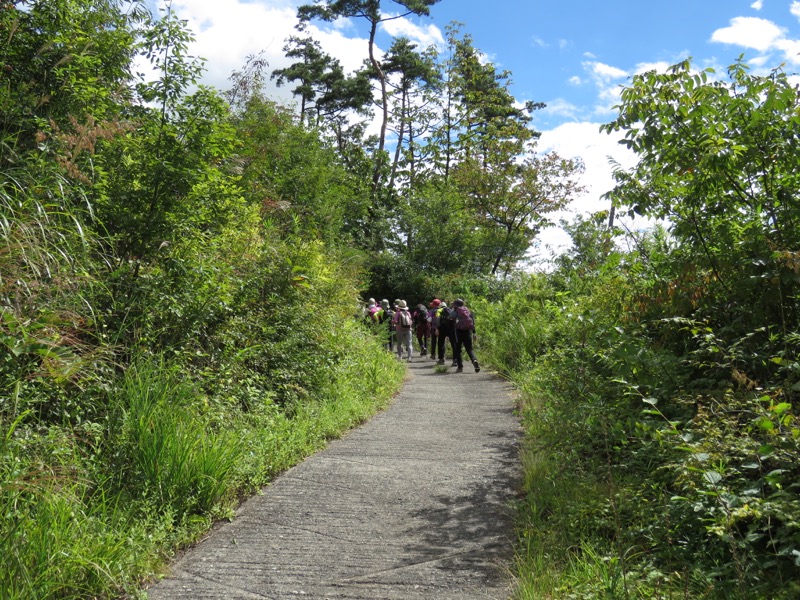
{"points": [[150, 289], [671, 366]]}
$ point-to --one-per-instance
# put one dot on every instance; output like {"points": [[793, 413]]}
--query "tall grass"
{"points": [[175, 458], [62, 535]]}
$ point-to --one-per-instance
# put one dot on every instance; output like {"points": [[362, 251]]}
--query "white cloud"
{"points": [[750, 32], [575, 80], [539, 42], [761, 35], [585, 141], [606, 72], [428, 35], [607, 80], [658, 67], [560, 108], [227, 31], [757, 5]]}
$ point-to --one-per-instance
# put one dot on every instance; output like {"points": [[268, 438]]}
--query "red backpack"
{"points": [[464, 320]]}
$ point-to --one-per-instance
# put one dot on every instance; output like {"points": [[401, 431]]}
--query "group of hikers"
{"points": [[432, 325]]}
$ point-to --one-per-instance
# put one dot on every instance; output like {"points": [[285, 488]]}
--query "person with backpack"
{"points": [[445, 321], [422, 328], [403, 323], [464, 335], [371, 316], [385, 317], [434, 326]]}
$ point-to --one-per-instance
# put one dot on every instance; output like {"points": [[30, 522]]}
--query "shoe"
{"points": [[424, 352], [477, 366], [460, 370], [440, 361], [455, 364], [433, 357]]}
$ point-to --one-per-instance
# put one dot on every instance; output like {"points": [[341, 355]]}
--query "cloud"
{"points": [[658, 66], [585, 141], [539, 42], [757, 5], [560, 108], [606, 72], [227, 31], [761, 35], [607, 79], [750, 32], [425, 36]]}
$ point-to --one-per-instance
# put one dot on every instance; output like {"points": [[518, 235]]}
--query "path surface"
{"points": [[415, 504]]}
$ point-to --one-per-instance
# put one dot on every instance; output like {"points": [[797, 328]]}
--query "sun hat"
{"points": [[401, 304], [384, 303], [435, 303]]}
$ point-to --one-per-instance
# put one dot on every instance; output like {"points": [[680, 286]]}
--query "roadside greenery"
{"points": [[177, 302], [660, 382], [181, 270]]}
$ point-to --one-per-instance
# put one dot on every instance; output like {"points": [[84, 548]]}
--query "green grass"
{"points": [[97, 520]]}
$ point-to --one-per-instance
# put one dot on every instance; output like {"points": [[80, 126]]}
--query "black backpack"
{"points": [[446, 318]]}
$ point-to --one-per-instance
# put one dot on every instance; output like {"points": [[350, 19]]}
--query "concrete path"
{"points": [[415, 504]]}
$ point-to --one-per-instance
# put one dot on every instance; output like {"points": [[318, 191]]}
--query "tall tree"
{"points": [[412, 73], [370, 10]]}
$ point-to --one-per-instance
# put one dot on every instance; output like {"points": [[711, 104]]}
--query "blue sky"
{"points": [[571, 54]]}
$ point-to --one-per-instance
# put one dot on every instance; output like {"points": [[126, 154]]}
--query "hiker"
{"points": [[371, 315], [422, 328], [385, 316], [446, 324], [396, 309], [403, 324], [464, 335], [434, 328]]}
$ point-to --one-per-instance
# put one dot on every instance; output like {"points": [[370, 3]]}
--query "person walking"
{"points": [[422, 328], [372, 312], [403, 323], [446, 324], [464, 335], [434, 327], [386, 317]]}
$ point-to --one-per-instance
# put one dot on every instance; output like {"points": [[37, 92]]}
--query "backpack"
{"points": [[404, 320], [444, 317], [464, 320], [372, 314], [421, 317]]}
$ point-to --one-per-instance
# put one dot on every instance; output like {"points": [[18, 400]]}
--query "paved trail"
{"points": [[415, 504]]}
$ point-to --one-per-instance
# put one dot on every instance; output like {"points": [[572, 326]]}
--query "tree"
{"points": [[411, 71], [512, 196], [718, 159], [64, 65], [325, 91], [370, 10]]}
